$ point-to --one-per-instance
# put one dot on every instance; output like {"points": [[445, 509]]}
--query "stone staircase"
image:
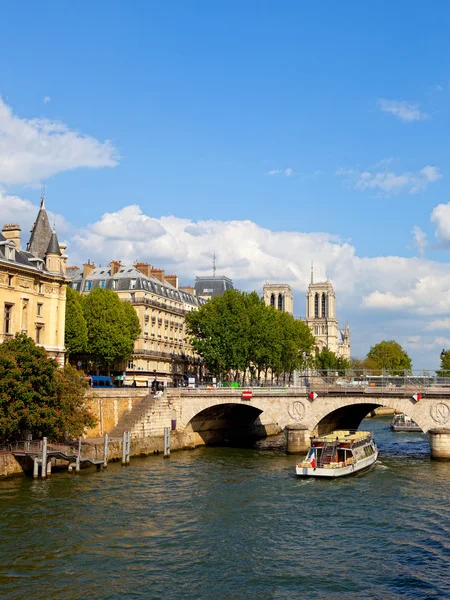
{"points": [[147, 418]]}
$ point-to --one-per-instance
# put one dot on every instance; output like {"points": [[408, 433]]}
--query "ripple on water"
{"points": [[223, 523]]}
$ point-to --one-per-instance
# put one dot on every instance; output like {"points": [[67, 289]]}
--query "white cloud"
{"points": [[419, 240], [439, 324], [288, 172], [389, 182], [46, 99], [35, 149], [440, 217], [402, 110], [386, 300], [382, 297]]}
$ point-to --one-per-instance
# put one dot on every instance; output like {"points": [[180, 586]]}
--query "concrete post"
{"points": [[127, 457], [124, 448], [49, 467], [166, 442], [44, 458], [78, 461], [35, 468], [439, 440], [105, 452], [297, 439]]}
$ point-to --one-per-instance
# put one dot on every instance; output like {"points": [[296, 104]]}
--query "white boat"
{"points": [[402, 422], [338, 453]]}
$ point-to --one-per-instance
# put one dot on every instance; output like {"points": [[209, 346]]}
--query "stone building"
{"points": [[321, 318], [162, 350], [33, 285], [279, 295]]}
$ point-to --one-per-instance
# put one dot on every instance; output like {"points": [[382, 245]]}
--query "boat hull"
{"points": [[360, 465], [405, 428]]}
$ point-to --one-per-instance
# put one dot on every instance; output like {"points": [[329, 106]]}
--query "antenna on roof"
{"points": [[214, 263], [43, 195], [312, 271]]}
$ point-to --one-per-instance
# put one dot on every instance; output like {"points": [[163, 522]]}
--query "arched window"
{"points": [[280, 302], [272, 300], [316, 306], [324, 305]]}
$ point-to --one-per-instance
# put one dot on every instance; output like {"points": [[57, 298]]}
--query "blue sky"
{"points": [[321, 117]]}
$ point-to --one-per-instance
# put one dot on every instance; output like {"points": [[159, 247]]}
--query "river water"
{"points": [[229, 523]]}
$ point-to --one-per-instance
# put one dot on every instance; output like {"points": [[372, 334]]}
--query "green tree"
{"points": [[327, 360], [112, 329], [37, 397], [365, 364], [445, 364], [390, 356], [76, 333], [237, 333]]}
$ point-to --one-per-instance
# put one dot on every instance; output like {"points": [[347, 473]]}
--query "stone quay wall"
{"points": [[110, 405]]}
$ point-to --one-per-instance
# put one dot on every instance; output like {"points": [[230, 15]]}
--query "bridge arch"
{"points": [[346, 412]]}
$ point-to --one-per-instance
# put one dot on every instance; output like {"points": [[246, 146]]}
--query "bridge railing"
{"points": [[349, 382]]}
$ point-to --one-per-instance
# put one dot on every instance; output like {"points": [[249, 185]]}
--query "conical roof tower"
{"points": [[41, 233]]}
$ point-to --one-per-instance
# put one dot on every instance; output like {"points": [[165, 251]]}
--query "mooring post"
{"points": [[105, 452], [128, 444], [124, 448], [78, 461], [166, 442], [49, 467], [35, 468], [44, 458]]}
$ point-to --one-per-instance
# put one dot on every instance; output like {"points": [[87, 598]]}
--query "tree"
{"points": [[112, 329], [327, 360], [390, 356], [76, 334], [37, 397], [365, 364], [445, 364], [236, 333]]}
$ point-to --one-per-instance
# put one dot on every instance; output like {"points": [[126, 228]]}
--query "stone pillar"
{"points": [[297, 438], [439, 440]]}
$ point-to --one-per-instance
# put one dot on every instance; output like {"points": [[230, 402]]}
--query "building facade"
{"points": [[321, 318], [162, 350], [279, 295], [33, 286]]}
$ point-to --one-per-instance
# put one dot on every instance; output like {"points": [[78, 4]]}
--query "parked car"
{"points": [[101, 381]]}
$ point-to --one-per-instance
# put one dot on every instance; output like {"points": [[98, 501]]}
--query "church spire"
{"points": [[312, 271], [41, 232]]}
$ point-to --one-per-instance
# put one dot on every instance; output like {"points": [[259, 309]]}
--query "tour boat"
{"points": [[339, 453], [402, 422]]}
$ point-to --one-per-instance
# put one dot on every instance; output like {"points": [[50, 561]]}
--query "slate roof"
{"points": [[53, 245], [21, 257], [213, 286], [41, 234], [128, 278]]}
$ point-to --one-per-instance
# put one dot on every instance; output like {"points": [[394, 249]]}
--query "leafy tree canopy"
{"points": [[390, 356], [76, 334], [38, 397], [445, 364], [237, 331], [327, 360], [112, 327]]}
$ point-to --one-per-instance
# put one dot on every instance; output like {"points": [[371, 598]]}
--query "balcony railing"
{"points": [[155, 303]]}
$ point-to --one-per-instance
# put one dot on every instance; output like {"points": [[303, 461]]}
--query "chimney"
{"points": [[173, 280], [144, 268], [87, 268], [12, 232], [188, 289], [158, 273], [114, 266], [63, 258]]}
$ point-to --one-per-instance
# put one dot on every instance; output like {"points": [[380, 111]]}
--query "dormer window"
{"points": [[115, 284], [10, 253], [132, 284], [88, 285]]}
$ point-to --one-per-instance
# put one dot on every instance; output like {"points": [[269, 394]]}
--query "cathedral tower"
{"points": [[279, 296]]}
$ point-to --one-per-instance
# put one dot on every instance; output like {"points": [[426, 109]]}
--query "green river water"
{"points": [[231, 523]]}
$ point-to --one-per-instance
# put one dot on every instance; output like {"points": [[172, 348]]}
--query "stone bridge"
{"points": [[212, 415]]}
